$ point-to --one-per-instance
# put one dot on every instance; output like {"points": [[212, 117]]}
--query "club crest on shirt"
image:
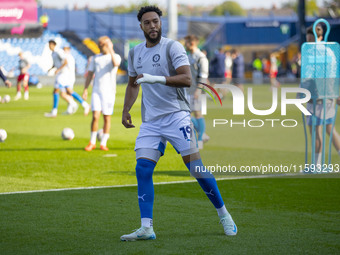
{"points": [[156, 58]]}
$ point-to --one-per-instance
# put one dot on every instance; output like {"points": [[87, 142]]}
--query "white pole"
{"points": [[172, 19]]}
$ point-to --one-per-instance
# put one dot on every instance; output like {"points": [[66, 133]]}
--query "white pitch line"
{"points": [[157, 183], [110, 155]]}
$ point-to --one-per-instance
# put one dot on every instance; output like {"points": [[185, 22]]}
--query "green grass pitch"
{"points": [[290, 215]]}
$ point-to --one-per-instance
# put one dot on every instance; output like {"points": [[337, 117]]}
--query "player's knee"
{"points": [[144, 168], [107, 119], [329, 129], [96, 116], [198, 170]]}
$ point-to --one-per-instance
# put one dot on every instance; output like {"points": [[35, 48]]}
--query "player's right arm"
{"points": [[87, 84], [61, 67], [90, 72], [50, 68], [131, 95]]}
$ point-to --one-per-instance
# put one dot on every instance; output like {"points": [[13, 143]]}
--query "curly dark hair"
{"points": [[150, 8], [318, 29]]}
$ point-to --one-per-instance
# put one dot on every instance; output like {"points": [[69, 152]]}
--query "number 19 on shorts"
{"points": [[187, 132]]}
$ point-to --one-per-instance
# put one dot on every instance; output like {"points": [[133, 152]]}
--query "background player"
{"points": [[23, 77], [104, 66], [71, 68], [199, 66], [62, 80], [273, 71], [228, 67], [330, 108], [217, 69], [237, 69], [162, 67]]}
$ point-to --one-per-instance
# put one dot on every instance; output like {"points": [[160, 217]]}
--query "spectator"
{"points": [[228, 65], [44, 20], [257, 64], [238, 68], [218, 67], [273, 71]]}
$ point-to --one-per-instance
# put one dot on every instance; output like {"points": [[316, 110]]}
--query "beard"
{"points": [[154, 40]]}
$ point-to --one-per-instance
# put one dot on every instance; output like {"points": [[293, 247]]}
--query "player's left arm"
{"points": [[116, 60], [180, 62], [182, 79], [62, 66]]}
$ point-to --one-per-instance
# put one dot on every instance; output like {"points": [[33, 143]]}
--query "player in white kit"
{"points": [[64, 81], [104, 66], [199, 66], [330, 103], [71, 65], [161, 67]]}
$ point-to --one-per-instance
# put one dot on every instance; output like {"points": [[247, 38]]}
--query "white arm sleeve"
{"points": [[147, 78]]}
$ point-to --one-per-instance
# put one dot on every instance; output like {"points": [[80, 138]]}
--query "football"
{"points": [[6, 99], [100, 134], [67, 134], [3, 135]]}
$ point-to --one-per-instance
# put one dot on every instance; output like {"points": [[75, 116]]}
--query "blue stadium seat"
{"points": [[36, 47]]}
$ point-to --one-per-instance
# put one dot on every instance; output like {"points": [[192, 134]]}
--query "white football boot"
{"points": [[26, 95], [229, 225], [17, 96], [51, 114], [142, 233]]}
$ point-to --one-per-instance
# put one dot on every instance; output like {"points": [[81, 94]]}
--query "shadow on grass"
{"points": [[43, 149], [184, 173], [56, 149]]}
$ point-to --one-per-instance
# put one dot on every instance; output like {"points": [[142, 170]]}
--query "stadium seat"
{"points": [[10, 47]]}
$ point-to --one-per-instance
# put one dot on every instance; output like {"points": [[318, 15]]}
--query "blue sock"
{"points": [[144, 171], [55, 100], [201, 128], [77, 97], [207, 182], [194, 121]]}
